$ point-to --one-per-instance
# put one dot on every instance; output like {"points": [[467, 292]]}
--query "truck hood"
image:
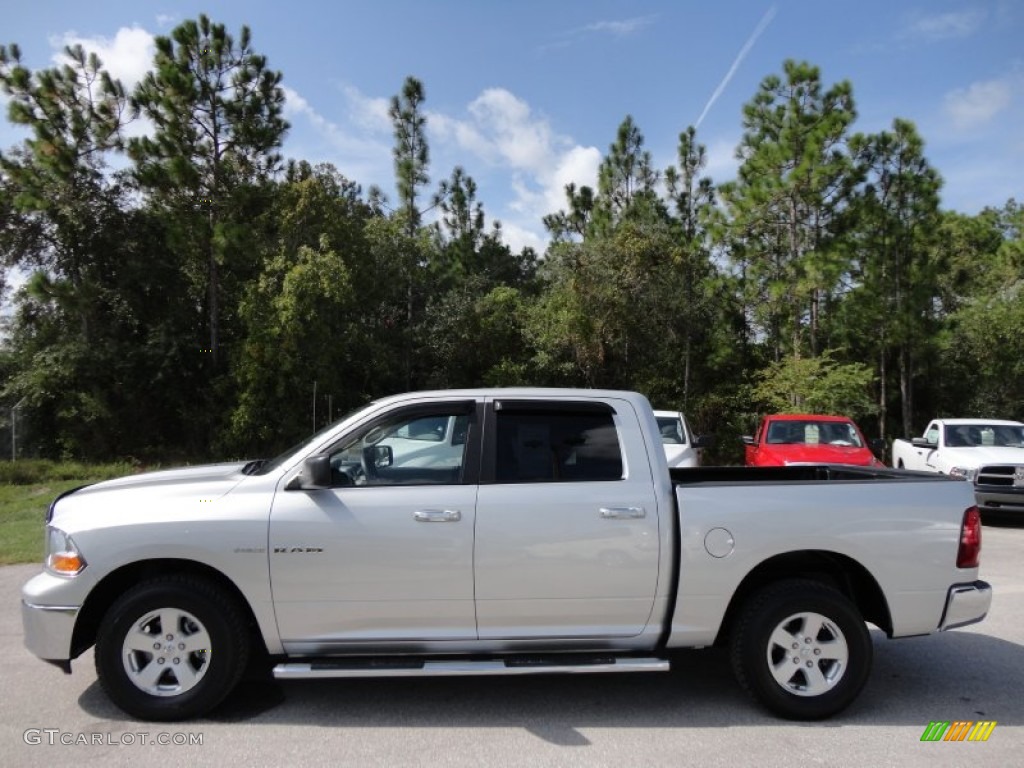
{"points": [[778, 455], [980, 455], [209, 480]]}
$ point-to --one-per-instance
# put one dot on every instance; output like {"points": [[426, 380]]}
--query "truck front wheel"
{"points": [[171, 648], [801, 649]]}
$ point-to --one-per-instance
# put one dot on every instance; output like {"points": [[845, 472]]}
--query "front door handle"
{"points": [[437, 515], [621, 512]]}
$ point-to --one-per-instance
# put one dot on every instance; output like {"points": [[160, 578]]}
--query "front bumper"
{"points": [[49, 609], [1001, 501], [966, 604], [48, 630]]}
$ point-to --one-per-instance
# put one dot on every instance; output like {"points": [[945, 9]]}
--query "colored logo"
{"points": [[958, 730]]}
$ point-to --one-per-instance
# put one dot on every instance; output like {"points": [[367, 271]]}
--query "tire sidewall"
{"points": [[751, 648], [226, 653]]}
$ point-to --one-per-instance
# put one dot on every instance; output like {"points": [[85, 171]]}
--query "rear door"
{"points": [[567, 522]]}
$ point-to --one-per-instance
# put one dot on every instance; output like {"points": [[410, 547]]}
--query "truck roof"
{"points": [[805, 416], [523, 392], [993, 422]]}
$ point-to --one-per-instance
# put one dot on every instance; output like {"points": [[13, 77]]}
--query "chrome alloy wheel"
{"points": [[167, 652], [807, 654]]}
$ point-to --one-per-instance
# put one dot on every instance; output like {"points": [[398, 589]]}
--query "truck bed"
{"points": [[811, 473]]}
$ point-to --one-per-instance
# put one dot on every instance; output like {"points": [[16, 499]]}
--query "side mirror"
{"points": [[922, 442], [878, 445], [382, 456], [316, 473], [748, 440], [704, 441]]}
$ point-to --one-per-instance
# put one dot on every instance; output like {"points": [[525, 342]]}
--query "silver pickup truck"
{"points": [[497, 532]]}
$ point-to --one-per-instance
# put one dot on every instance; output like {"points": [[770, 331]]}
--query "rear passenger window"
{"points": [[546, 447]]}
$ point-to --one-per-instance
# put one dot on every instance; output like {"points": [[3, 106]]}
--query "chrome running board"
{"points": [[329, 668]]}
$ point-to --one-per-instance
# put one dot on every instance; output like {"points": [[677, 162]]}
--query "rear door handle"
{"points": [[437, 515], [621, 512]]}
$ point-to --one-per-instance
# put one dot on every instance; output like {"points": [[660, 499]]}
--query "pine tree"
{"points": [[217, 115]]}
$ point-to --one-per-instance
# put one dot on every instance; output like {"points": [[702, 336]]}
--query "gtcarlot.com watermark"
{"points": [[55, 736]]}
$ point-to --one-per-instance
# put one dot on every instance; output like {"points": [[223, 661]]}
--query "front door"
{"points": [[386, 555]]}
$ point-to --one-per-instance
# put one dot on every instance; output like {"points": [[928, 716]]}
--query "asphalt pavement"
{"points": [[695, 715]]}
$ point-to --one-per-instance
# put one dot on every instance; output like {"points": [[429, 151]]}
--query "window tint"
{"points": [[556, 447], [404, 450]]}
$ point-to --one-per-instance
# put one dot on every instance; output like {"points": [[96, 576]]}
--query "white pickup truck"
{"points": [[681, 445], [497, 532], [988, 453]]}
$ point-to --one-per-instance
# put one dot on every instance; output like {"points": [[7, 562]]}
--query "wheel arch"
{"points": [[115, 583], [830, 568]]}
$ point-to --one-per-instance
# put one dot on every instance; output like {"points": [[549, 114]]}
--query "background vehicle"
{"points": [[681, 445], [790, 438], [989, 453], [558, 540]]}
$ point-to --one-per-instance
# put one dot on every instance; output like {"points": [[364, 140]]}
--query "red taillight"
{"points": [[970, 539]]}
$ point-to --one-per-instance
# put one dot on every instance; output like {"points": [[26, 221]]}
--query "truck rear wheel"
{"points": [[801, 649], [171, 648]]}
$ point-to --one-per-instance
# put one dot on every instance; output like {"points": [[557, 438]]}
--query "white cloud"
{"points": [[502, 130], [976, 105], [369, 113], [517, 238], [946, 26], [127, 57], [165, 19], [360, 157], [620, 28], [722, 163]]}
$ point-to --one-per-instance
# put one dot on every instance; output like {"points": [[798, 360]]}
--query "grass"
{"points": [[26, 489]]}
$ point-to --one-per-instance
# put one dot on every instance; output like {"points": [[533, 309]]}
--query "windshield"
{"points": [[800, 432], [984, 435], [266, 466], [671, 428]]}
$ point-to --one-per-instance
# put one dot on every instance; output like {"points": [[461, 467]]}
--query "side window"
{"points": [[409, 449], [556, 446], [671, 429]]}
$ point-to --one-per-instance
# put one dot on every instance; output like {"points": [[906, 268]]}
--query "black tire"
{"points": [[184, 681], [823, 673]]}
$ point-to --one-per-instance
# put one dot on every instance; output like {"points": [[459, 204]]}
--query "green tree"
{"points": [[979, 345], [896, 215], [574, 223], [216, 110], [814, 385], [693, 196], [626, 181], [411, 153], [782, 208], [56, 191]]}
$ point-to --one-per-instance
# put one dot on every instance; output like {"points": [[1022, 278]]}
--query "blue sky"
{"points": [[526, 96]]}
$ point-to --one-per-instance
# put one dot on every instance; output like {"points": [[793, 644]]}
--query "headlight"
{"points": [[963, 473], [62, 556]]}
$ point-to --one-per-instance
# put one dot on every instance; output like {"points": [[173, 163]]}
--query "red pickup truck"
{"points": [[794, 438]]}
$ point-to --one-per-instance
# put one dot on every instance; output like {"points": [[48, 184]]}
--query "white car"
{"points": [[680, 443], [986, 452]]}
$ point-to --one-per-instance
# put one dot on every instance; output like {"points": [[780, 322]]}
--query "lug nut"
{"points": [[817, 651], [809, 663], [170, 637], [181, 646], [795, 646], [156, 646], [161, 660], [178, 660]]}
